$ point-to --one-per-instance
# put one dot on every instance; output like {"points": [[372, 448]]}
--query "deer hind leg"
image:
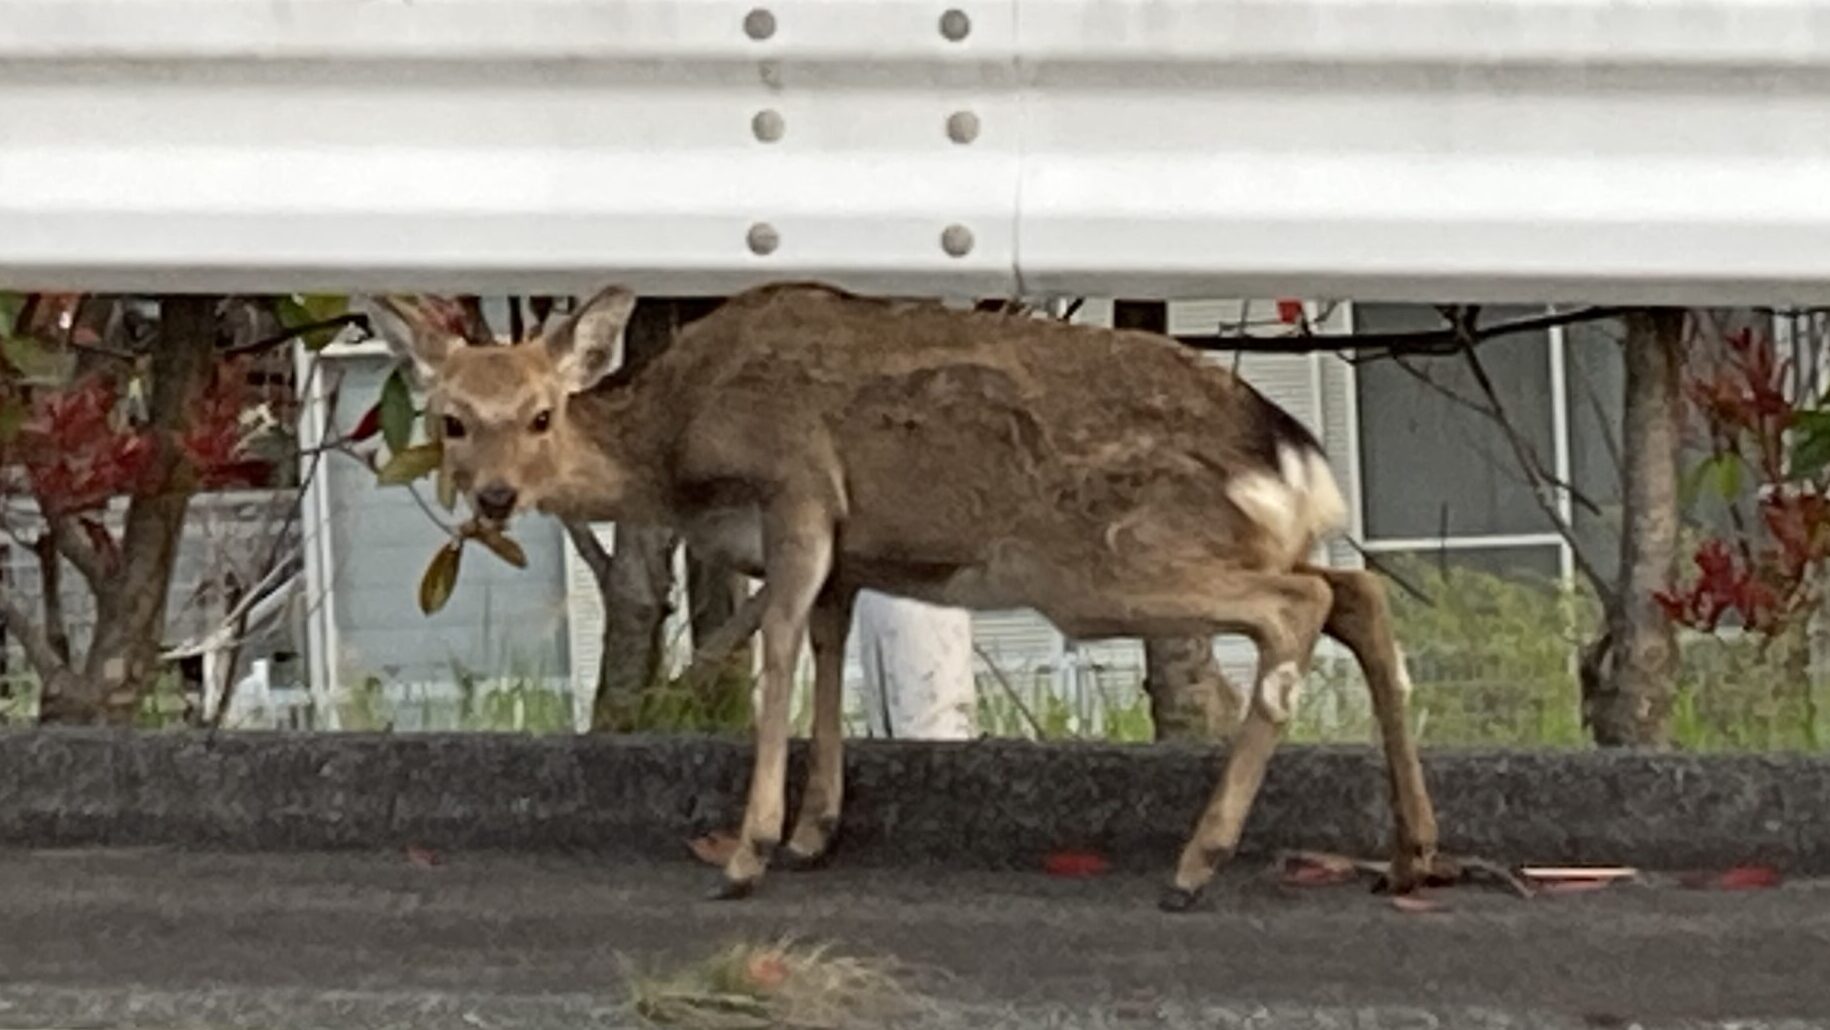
{"points": [[799, 544], [818, 821], [1283, 614], [1361, 619]]}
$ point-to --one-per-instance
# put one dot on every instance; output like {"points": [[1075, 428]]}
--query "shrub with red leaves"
{"points": [[1762, 574]]}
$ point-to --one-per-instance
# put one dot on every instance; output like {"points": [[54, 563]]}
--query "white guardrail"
{"points": [[1421, 149]]}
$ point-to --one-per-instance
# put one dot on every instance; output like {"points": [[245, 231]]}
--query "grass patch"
{"points": [[780, 983]]}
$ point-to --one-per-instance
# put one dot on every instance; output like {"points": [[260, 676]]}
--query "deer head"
{"points": [[499, 408]]}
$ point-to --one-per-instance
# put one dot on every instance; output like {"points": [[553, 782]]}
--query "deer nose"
{"points": [[496, 501]]}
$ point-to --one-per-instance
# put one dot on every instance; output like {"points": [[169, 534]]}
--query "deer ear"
{"points": [[413, 337], [588, 344]]}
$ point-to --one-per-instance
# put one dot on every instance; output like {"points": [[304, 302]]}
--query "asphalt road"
{"points": [[158, 938]]}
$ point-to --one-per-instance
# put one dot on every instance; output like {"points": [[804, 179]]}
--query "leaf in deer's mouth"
{"points": [[490, 534]]}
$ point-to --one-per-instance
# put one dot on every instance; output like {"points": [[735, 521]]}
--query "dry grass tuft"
{"points": [[782, 983]]}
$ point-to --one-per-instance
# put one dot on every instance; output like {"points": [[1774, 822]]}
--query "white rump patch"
{"points": [[1278, 692], [1299, 505]]}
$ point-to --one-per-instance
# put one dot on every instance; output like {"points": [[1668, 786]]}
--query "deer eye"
{"points": [[453, 428], [542, 422]]}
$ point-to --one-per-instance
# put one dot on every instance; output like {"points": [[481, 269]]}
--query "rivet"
{"points": [[759, 23], [962, 126], [763, 239], [768, 125], [955, 25], [956, 240]]}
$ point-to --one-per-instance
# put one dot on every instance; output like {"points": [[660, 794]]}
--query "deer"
{"points": [[825, 442]]}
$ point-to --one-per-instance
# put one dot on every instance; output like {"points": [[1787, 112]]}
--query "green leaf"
{"points": [[13, 413], [410, 464], [1810, 443], [38, 362], [1728, 475], [10, 306], [308, 309], [397, 411], [1719, 475], [440, 578]]}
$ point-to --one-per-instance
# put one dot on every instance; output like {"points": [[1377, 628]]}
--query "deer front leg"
{"points": [[814, 828], [1361, 619], [798, 546]]}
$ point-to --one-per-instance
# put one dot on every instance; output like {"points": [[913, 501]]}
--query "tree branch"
{"points": [[51, 594], [1446, 341], [1534, 472], [1528, 459], [288, 335], [32, 640], [73, 543]]}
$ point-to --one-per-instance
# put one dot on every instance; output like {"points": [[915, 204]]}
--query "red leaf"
{"points": [[368, 426], [1289, 312], [715, 848], [425, 858], [1573, 886], [1075, 864], [1740, 878], [1317, 869], [1415, 904]]}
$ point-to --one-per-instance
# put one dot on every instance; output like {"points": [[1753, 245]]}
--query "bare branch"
{"points": [[1535, 473], [288, 335], [72, 542], [1378, 564], [1445, 341], [31, 637], [1529, 460], [51, 595], [1608, 441], [711, 653], [1016, 699]]}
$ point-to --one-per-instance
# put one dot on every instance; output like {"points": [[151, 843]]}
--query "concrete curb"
{"points": [[986, 804]]}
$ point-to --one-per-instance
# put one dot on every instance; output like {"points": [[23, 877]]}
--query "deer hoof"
{"points": [[804, 855], [1178, 899], [728, 889], [794, 861]]}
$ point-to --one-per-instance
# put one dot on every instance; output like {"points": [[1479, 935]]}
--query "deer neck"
{"points": [[608, 467]]}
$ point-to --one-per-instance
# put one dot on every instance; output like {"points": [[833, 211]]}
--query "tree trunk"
{"points": [[713, 595], [123, 660], [636, 604], [1630, 691], [1190, 698], [639, 580], [917, 665]]}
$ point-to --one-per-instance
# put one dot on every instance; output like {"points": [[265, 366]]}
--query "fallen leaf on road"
{"points": [[1413, 904], [1576, 879], [715, 848], [1574, 886], [1074, 864], [1740, 878], [425, 858], [1318, 869], [1559, 874]]}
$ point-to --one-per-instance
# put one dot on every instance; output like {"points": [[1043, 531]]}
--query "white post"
{"points": [[917, 664]]}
